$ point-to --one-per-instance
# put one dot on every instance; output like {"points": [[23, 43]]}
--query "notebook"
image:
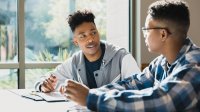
{"points": [[33, 97], [39, 96], [52, 96]]}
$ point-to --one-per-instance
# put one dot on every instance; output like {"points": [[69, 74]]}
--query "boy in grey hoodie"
{"points": [[96, 64]]}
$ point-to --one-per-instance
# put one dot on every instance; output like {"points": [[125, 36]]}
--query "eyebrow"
{"points": [[93, 29]]}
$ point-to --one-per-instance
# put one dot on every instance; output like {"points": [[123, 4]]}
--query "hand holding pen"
{"points": [[49, 83]]}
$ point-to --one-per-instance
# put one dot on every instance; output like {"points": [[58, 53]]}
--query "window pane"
{"points": [[47, 36], [32, 75], [8, 36], [8, 79]]}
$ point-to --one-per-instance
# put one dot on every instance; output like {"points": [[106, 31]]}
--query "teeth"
{"points": [[90, 46]]}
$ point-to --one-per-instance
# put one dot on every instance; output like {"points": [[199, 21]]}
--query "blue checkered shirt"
{"points": [[159, 88]]}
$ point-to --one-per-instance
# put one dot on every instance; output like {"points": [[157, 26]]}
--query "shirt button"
{"points": [[96, 74], [79, 70]]}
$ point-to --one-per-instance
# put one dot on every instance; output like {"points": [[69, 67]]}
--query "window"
{"points": [[8, 44], [35, 44]]}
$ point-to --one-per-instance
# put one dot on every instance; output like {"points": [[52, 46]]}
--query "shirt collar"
{"points": [[184, 49]]}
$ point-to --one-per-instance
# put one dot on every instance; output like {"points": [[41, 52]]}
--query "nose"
{"points": [[145, 36], [90, 38], [144, 33]]}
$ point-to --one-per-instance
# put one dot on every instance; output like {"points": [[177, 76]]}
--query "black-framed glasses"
{"points": [[145, 30]]}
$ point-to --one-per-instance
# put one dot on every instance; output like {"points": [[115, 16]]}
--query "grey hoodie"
{"points": [[117, 64]]}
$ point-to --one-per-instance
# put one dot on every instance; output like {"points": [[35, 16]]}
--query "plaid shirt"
{"points": [[159, 88]]}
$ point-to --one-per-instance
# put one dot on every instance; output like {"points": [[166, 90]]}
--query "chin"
{"points": [[91, 52], [150, 50]]}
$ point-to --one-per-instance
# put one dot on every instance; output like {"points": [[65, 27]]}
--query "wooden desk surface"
{"points": [[11, 102]]}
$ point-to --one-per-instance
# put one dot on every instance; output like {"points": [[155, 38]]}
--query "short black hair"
{"points": [[176, 11], [80, 17]]}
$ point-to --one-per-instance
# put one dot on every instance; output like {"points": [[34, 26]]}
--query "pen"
{"points": [[34, 93]]}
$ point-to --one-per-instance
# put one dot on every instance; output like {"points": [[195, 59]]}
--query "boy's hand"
{"points": [[75, 91], [49, 84]]}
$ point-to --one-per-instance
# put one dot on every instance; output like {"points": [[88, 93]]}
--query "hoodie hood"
{"points": [[110, 51]]}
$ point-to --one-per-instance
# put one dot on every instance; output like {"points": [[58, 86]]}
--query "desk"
{"points": [[12, 102]]}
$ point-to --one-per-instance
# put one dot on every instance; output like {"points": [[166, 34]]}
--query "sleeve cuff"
{"points": [[92, 101], [38, 86]]}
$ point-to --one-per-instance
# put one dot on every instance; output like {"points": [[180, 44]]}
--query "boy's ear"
{"points": [[164, 35]]}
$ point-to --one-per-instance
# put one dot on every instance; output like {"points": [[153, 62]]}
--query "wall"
{"points": [[194, 31], [117, 29]]}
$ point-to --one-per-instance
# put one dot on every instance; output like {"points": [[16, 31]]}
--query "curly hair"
{"points": [[80, 17], [171, 10]]}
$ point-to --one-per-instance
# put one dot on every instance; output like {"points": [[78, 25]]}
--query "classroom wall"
{"points": [[194, 31]]}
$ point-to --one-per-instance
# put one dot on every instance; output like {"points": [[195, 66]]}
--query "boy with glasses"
{"points": [[170, 83], [98, 63]]}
